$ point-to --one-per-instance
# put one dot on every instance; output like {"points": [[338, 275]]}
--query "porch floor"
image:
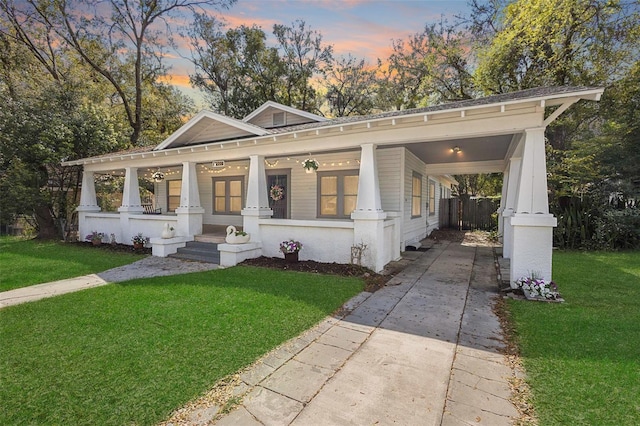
{"points": [[213, 233]]}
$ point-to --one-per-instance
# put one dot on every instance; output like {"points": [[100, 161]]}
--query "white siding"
{"points": [[205, 187], [304, 186], [389, 167], [414, 229]]}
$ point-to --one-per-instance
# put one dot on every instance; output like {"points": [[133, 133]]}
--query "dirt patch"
{"points": [[372, 280], [452, 235]]}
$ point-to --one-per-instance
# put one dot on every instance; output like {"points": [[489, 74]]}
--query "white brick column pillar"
{"points": [[509, 205], [131, 205], [190, 213], [257, 203], [368, 217], [532, 225], [88, 203]]}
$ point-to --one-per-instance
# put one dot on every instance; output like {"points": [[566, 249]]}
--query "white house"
{"points": [[378, 184]]}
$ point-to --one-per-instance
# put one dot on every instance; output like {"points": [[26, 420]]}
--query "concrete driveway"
{"points": [[425, 350]]}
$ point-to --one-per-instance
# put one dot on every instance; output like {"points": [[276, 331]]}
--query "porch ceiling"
{"points": [[475, 155]]}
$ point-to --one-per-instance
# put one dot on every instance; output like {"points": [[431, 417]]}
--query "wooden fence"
{"points": [[469, 213]]}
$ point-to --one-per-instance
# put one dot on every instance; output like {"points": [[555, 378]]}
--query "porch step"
{"points": [[210, 238], [199, 251]]}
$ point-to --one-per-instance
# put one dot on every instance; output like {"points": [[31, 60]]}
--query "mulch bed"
{"points": [[121, 248], [372, 280]]}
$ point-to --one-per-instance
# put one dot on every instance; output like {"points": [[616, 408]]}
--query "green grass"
{"points": [[583, 357], [131, 353], [27, 262]]}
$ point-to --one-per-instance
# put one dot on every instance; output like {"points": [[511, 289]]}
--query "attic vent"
{"points": [[278, 119]]}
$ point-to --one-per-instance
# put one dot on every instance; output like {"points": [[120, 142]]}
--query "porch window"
{"points": [[416, 195], [173, 194], [228, 193], [337, 193], [432, 197]]}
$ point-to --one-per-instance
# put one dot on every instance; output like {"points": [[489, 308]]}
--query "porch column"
{"points": [[368, 217], [532, 225], [131, 205], [131, 192], [190, 212], [511, 186], [503, 201], [88, 203], [257, 204]]}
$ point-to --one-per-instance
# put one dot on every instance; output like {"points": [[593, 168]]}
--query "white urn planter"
{"points": [[168, 231], [232, 238]]}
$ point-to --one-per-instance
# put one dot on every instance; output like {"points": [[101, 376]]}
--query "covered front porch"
{"points": [[387, 169], [375, 232]]}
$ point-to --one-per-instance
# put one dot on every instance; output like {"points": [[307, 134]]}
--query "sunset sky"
{"points": [[363, 28]]}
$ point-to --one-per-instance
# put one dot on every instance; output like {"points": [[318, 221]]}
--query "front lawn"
{"points": [[131, 353], [27, 262], [583, 357]]}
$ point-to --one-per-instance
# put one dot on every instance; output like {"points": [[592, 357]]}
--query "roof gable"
{"points": [[206, 127], [272, 114]]}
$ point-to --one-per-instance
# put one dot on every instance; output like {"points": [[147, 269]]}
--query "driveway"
{"points": [[424, 350]]}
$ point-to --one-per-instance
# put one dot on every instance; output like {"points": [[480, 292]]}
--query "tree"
{"points": [[235, 68], [238, 71], [592, 148], [558, 42], [351, 87], [121, 40], [304, 56], [430, 67], [37, 133]]}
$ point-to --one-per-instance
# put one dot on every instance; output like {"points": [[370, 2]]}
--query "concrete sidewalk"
{"points": [[422, 351], [147, 267]]}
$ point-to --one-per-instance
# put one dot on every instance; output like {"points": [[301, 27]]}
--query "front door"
{"points": [[277, 185]]}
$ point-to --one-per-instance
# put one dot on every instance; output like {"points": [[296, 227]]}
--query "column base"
{"points": [[531, 245]]}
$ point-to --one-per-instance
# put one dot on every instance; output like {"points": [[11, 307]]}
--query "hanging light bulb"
{"points": [[158, 176]]}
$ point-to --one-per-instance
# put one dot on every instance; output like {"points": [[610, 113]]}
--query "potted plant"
{"points": [[290, 249], [95, 237], [236, 237], [535, 288], [139, 240], [310, 165]]}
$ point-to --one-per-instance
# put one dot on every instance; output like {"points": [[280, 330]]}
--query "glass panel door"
{"points": [[278, 194]]}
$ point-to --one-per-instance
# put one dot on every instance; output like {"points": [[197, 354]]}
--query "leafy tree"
{"points": [[36, 134], [592, 149], [238, 71], [121, 40], [557, 42], [351, 87], [304, 56], [235, 68], [430, 67]]}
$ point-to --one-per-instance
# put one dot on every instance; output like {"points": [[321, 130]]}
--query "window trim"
{"points": [[414, 176], [432, 198], [340, 192], [227, 195]]}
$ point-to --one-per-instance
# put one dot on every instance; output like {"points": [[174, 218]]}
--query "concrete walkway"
{"points": [[421, 351], [147, 267]]}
